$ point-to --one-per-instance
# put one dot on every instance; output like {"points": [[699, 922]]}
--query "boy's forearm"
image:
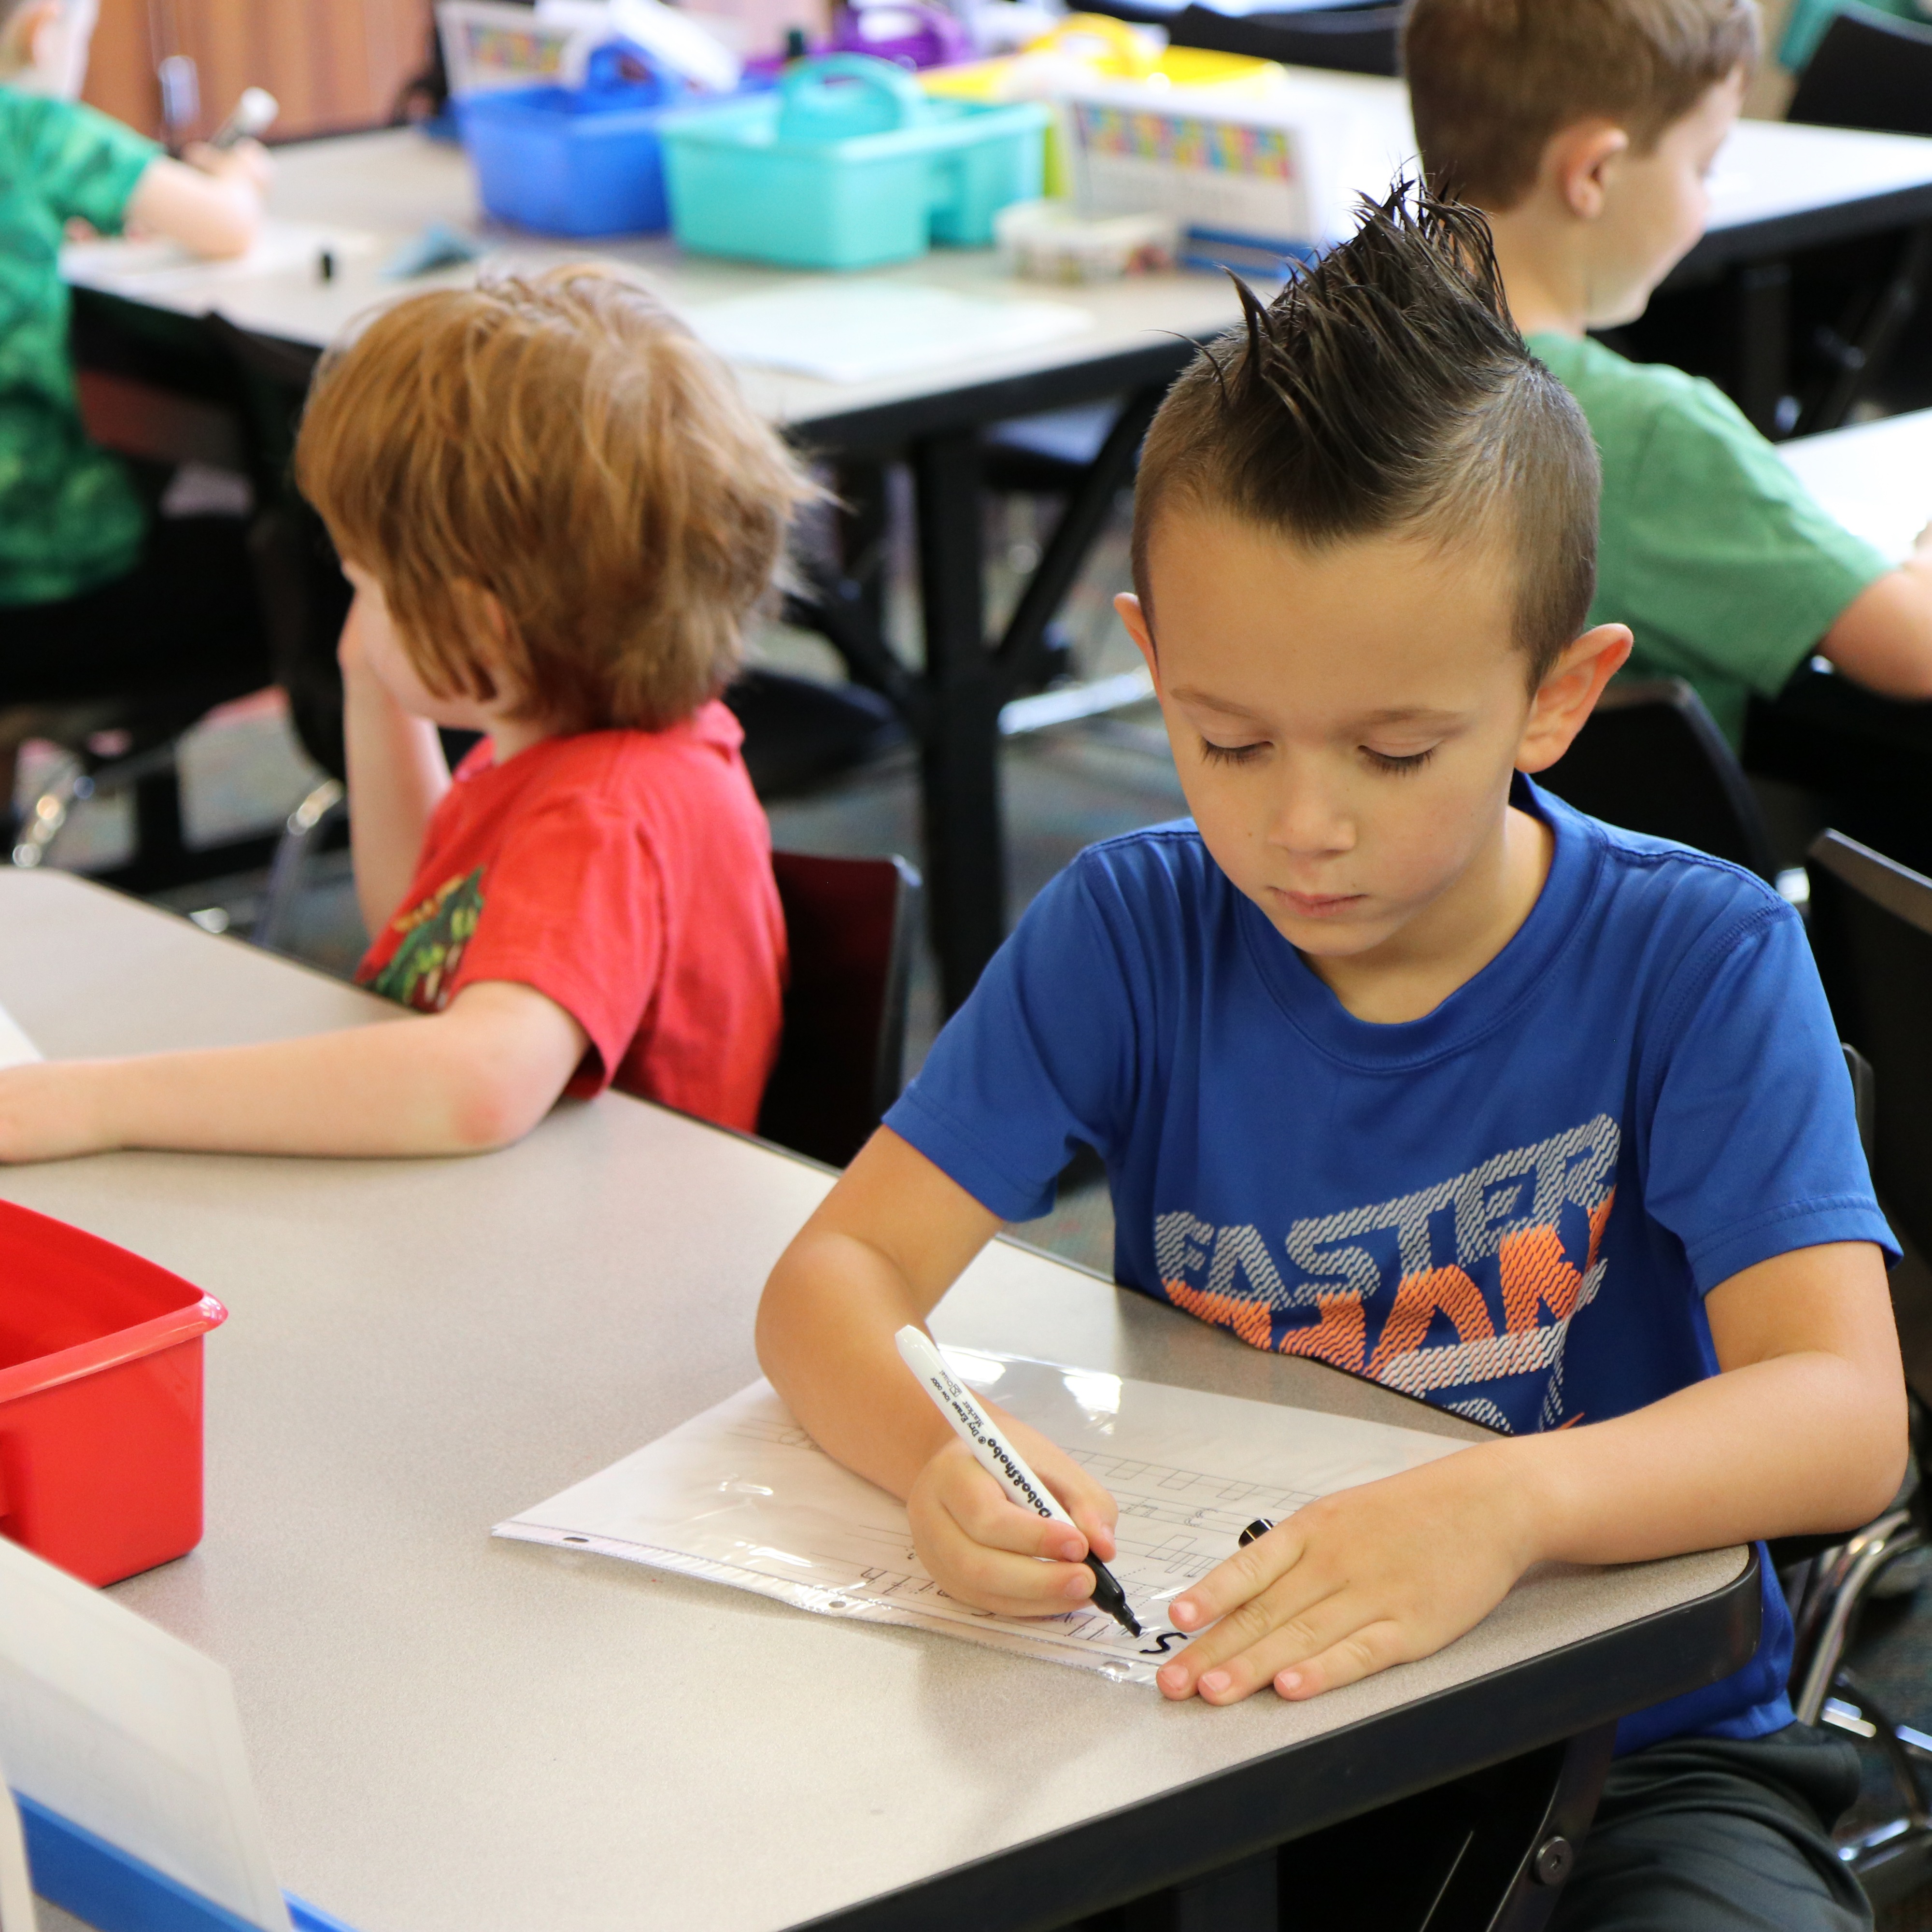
{"points": [[1802, 1443], [446, 1084], [886, 1243], [397, 775], [218, 218], [824, 1339]]}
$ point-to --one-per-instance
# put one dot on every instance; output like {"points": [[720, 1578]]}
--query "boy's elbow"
{"points": [[486, 1107]]}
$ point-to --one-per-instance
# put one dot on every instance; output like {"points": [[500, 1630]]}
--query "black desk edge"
{"points": [[1198, 1828], [1780, 234]]}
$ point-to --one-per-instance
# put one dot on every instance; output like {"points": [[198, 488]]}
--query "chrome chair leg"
{"points": [[42, 823], [305, 824], [1840, 1590]]}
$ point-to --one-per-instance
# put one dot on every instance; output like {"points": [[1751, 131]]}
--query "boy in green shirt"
{"points": [[90, 598], [1586, 131]]}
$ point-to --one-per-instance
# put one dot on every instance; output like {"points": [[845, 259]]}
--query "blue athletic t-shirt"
{"points": [[1512, 1207]]}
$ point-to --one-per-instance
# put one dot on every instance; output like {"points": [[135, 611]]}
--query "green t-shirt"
{"points": [[69, 517], [1709, 548]]}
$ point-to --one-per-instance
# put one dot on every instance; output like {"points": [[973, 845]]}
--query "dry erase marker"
{"points": [[254, 114], [1005, 1464]]}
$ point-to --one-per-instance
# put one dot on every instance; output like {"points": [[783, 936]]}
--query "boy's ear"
{"points": [[1566, 697], [1578, 162], [1127, 608]]}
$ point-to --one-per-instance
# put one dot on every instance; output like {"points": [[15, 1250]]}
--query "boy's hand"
{"points": [[984, 1549], [246, 164], [48, 1112], [1357, 1581]]}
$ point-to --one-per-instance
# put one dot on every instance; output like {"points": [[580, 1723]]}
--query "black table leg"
{"points": [[960, 763], [1763, 292]]}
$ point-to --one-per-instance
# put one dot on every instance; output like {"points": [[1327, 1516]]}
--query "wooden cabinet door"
{"points": [[333, 64]]}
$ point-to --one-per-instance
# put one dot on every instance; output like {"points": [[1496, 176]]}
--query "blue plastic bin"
{"points": [[848, 165], [565, 161]]}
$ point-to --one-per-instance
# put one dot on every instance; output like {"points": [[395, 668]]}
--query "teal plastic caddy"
{"points": [[849, 165]]}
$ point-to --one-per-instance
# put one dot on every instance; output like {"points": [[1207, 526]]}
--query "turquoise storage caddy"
{"points": [[848, 165], [577, 160]]}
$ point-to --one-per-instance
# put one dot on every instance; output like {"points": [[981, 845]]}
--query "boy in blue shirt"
{"points": [[1396, 1062]]}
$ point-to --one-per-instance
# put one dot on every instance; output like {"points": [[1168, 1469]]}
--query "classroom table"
{"points": [[1776, 188], [452, 1733], [1865, 757], [1875, 478]]}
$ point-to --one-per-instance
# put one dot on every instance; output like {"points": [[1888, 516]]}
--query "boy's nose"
{"points": [[1308, 820]]}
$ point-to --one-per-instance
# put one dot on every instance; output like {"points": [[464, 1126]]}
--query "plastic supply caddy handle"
{"points": [[605, 74], [846, 95], [1109, 46]]}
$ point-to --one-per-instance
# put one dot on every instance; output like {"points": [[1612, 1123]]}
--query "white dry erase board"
{"points": [[741, 1495]]}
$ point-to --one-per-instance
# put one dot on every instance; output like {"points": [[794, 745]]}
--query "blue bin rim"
{"points": [[549, 106]]}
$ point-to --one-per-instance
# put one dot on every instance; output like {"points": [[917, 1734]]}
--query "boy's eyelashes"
{"points": [[1230, 755], [1382, 761], [1386, 761]]}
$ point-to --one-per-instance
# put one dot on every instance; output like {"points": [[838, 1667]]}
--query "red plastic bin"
{"points": [[99, 1400]]}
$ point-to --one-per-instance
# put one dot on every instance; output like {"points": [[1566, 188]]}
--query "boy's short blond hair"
{"points": [[566, 445], [1492, 81]]}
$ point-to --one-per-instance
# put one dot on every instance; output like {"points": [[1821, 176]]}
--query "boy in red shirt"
{"points": [[556, 512]]}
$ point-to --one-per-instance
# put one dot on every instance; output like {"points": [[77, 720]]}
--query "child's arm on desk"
{"points": [[1883, 638], [887, 1242], [1803, 1430], [214, 208], [477, 1076]]}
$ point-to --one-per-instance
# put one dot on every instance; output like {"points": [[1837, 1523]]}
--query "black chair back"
{"points": [[850, 923], [1871, 930], [1351, 39], [1652, 760], [1870, 70]]}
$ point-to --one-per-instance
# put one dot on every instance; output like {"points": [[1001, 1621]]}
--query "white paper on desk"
{"points": [[15, 1049], [157, 265], [854, 332], [741, 1495], [124, 1730]]}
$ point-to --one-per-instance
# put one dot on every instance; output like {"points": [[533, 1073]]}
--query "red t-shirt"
{"points": [[626, 875]]}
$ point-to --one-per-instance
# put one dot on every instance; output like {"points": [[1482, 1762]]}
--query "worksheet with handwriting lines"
{"points": [[740, 1495]]}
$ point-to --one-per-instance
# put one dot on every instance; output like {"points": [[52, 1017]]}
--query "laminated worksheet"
{"points": [[858, 331], [742, 1496]]}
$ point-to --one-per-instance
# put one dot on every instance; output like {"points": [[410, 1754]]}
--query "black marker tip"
{"points": [[1108, 1596]]}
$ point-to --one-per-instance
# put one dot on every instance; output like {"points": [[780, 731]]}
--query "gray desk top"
{"points": [[1875, 478], [387, 186], [450, 1732]]}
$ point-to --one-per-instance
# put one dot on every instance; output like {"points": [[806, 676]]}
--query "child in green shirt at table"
{"points": [[1586, 132], [91, 594]]}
